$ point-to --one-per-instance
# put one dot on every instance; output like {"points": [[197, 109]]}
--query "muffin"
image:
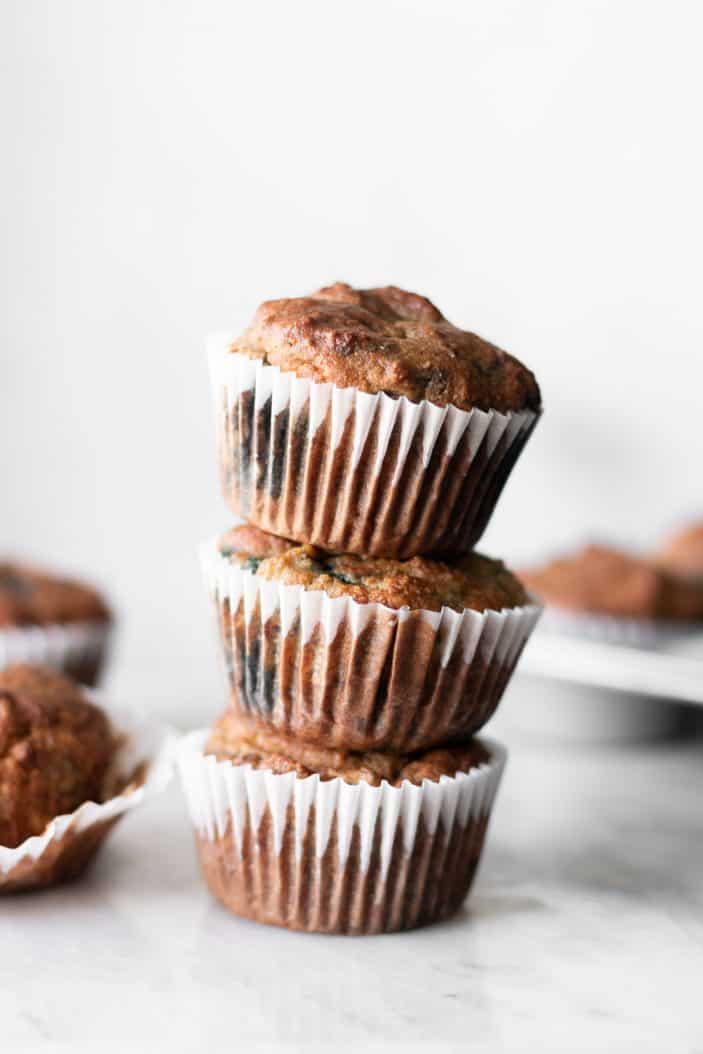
{"points": [[682, 553], [245, 740], [363, 421], [331, 841], [605, 591], [364, 653], [55, 749], [65, 776], [52, 620]]}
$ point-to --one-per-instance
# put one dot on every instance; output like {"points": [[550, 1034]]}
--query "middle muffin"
{"points": [[362, 653]]}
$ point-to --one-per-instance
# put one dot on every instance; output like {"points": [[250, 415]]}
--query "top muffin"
{"points": [[474, 581], [387, 340], [32, 597], [606, 581]]}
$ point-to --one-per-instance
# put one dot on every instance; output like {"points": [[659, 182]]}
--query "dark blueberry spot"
{"points": [[13, 582], [278, 455], [263, 435], [268, 690], [252, 658], [326, 567], [349, 580], [245, 414], [299, 446], [251, 564]]}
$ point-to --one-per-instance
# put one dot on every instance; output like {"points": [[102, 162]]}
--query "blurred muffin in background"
{"points": [[56, 621], [682, 553], [606, 592]]}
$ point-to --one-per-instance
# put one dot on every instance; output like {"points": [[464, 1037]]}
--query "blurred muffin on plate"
{"points": [[682, 552], [52, 620], [605, 592]]}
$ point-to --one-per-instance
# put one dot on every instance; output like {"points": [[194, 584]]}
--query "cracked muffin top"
{"points": [[32, 597], [473, 581], [682, 553], [601, 580], [244, 741], [55, 749], [387, 340]]}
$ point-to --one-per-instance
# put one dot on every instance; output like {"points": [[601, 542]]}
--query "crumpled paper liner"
{"points": [[360, 676], [78, 649], [142, 767], [333, 857], [354, 472]]}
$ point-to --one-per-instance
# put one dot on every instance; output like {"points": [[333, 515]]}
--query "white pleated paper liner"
{"points": [[77, 649], [354, 472], [650, 634], [330, 856], [146, 747], [360, 676]]}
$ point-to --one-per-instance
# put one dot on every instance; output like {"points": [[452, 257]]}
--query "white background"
{"points": [[535, 168]]}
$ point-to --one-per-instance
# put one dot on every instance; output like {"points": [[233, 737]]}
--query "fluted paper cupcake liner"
{"points": [[78, 649], [334, 857], [360, 676], [142, 767], [354, 472]]}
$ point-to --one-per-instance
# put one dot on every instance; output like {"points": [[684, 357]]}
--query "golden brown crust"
{"points": [[682, 553], [474, 582], [32, 597], [55, 749], [387, 340], [606, 581], [245, 741]]}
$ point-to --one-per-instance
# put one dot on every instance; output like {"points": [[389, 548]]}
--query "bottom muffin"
{"points": [[335, 842]]}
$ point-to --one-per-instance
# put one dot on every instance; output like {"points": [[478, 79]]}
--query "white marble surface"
{"points": [[584, 933]]}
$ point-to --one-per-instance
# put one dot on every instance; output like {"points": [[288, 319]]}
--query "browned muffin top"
{"points": [[244, 741], [387, 340], [682, 553], [31, 597], [606, 581], [55, 748], [474, 581]]}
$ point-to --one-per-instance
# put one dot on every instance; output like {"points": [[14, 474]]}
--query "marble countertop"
{"points": [[584, 933]]}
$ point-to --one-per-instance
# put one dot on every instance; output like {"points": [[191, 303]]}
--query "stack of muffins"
{"points": [[365, 441]]}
